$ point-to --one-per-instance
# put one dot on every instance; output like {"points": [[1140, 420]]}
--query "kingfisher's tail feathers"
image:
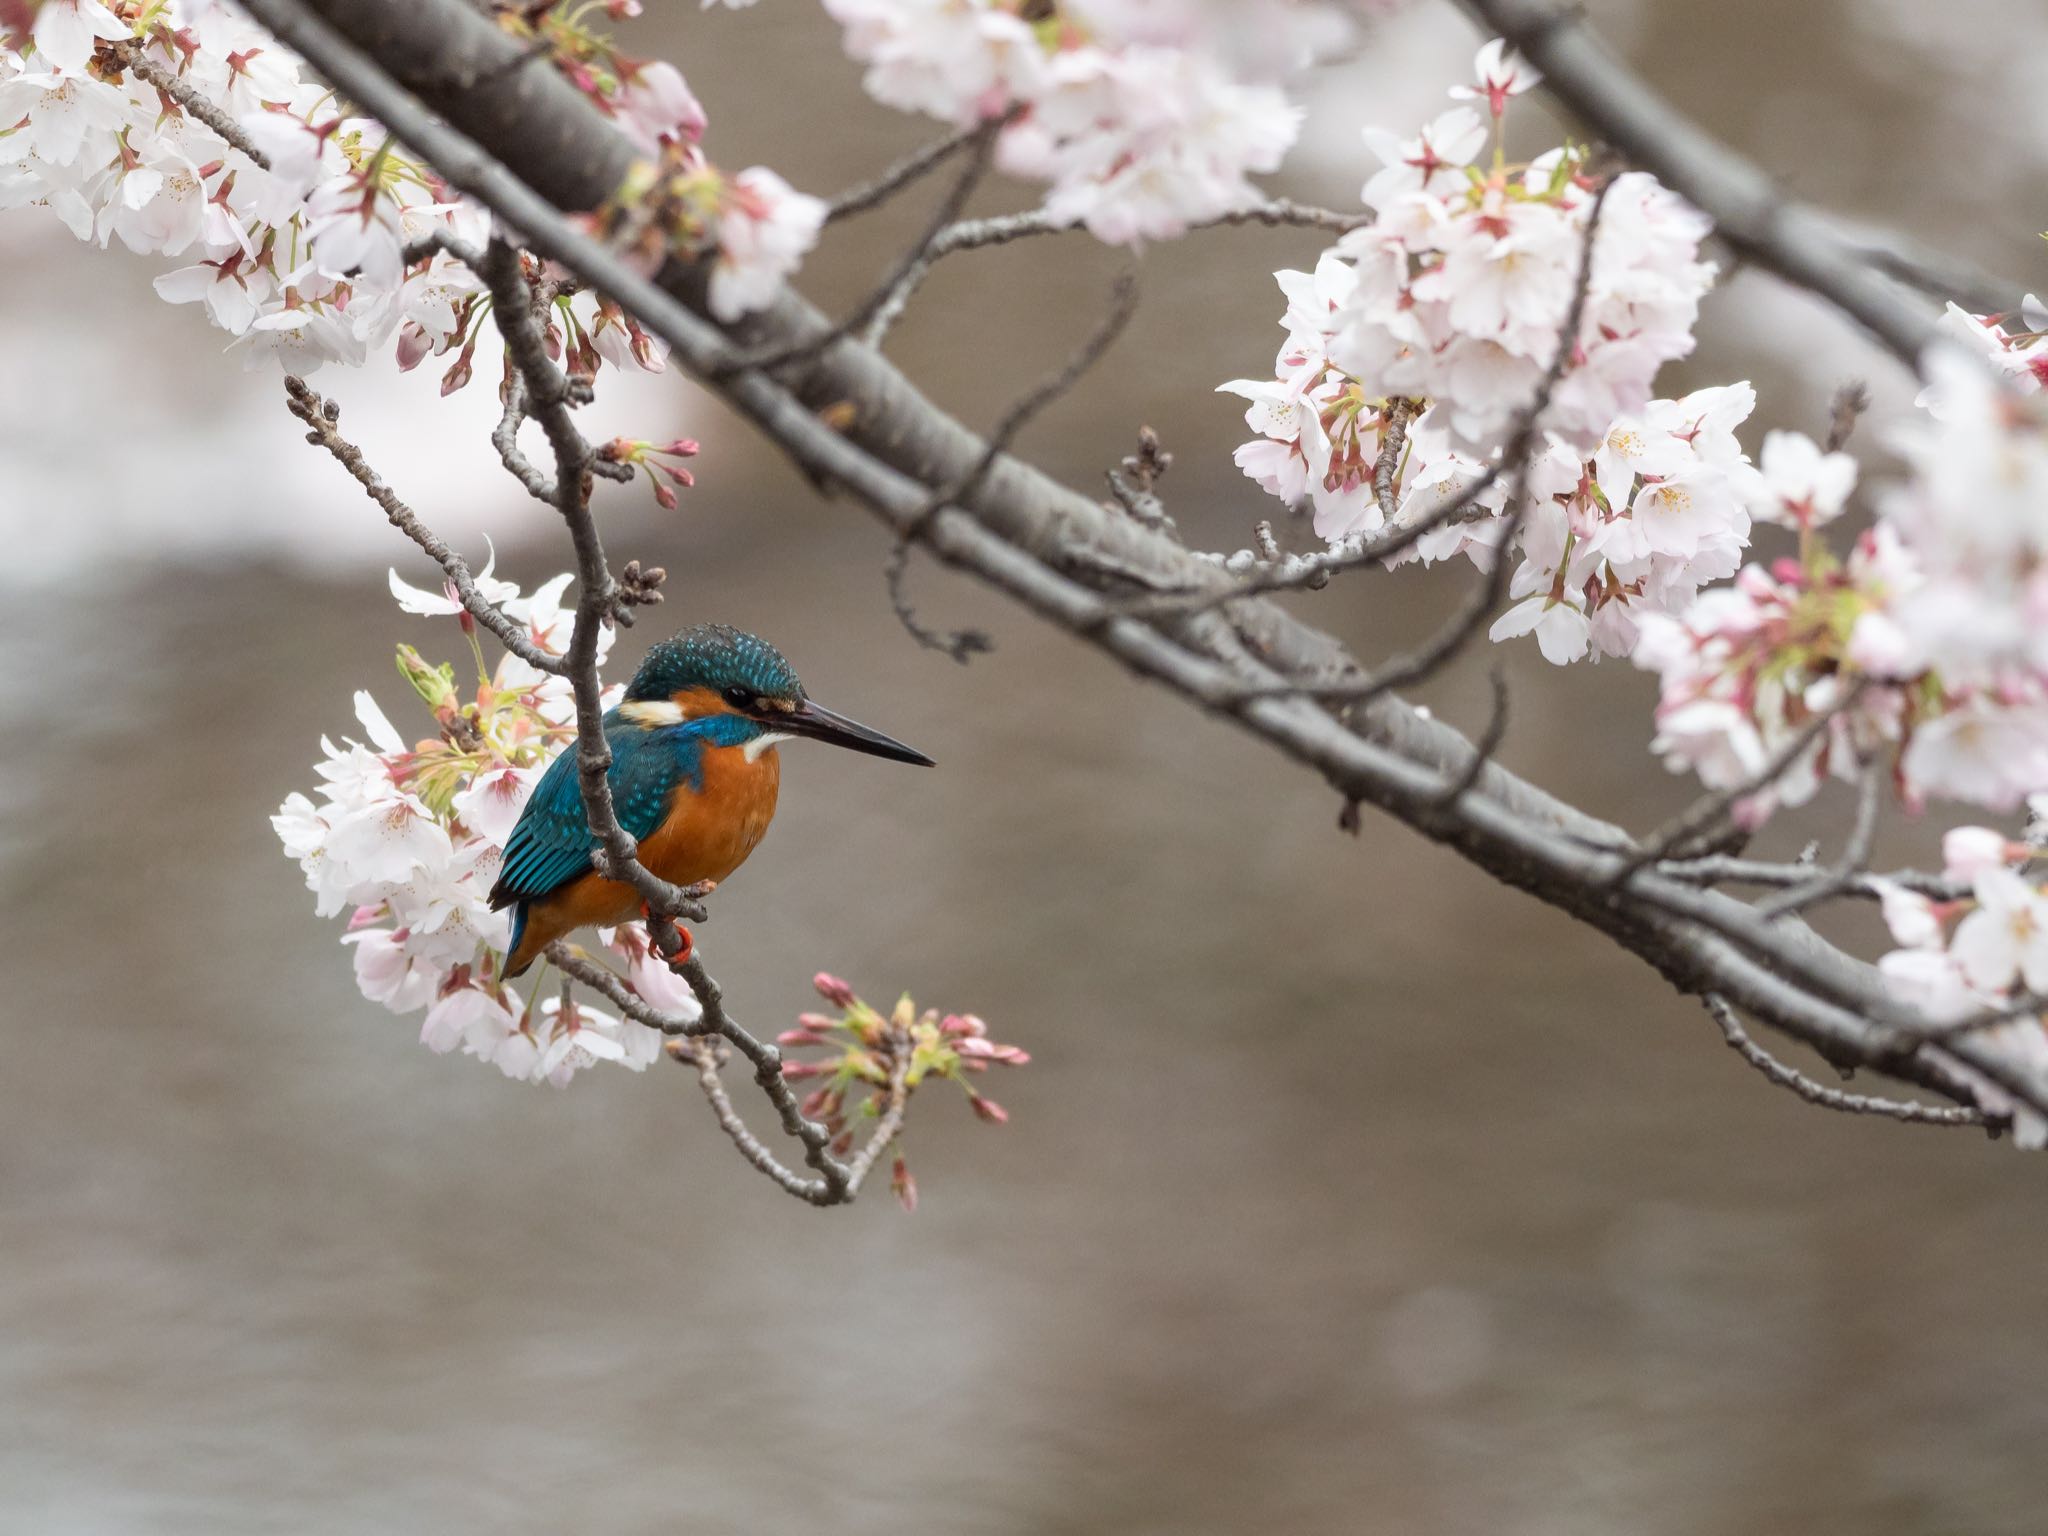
{"points": [[515, 963]]}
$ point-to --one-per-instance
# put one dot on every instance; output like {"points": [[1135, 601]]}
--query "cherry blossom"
{"points": [[1801, 487], [1958, 959], [1501, 73], [66, 31], [764, 229]]}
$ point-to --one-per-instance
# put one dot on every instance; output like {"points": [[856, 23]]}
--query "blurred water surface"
{"points": [[1348, 1193]]}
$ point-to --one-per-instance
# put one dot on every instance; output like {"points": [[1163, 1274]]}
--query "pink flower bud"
{"points": [[459, 372], [833, 990], [797, 1071], [989, 1110], [414, 346], [798, 1037], [816, 1021], [904, 1186]]}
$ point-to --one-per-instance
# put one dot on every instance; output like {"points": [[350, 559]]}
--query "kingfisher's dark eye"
{"points": [[738, 697]]}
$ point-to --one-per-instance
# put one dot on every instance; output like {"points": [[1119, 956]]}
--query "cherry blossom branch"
{"points": [[1834, 1098], [1400, 412], [133, 56], [322, 418], [599, 599], [1043, 543]]}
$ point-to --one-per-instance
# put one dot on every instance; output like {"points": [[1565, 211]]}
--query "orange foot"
{"points": [[686, 946]]}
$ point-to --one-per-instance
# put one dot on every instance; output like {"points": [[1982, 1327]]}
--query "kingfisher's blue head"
{"points": [[745, 692]]}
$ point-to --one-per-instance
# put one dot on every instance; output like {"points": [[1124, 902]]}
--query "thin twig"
{"points": [[1001, 229], [894, 1105], [1716, 869], [964, 644], [981, 146], [703, 1055], [1855, 858], [918, 162], [322, 418], [133, 55], [1832, 1098], [832, 1186], [505, 438], [1483, 750], [1844, 411]]}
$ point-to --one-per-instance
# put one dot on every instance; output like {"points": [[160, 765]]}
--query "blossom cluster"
{"points": [[1466, 274], [1140, 118], [1446, 308], [864, 1052], [1927, 642], [1960, 958], [299, 222], [405, 839], [1451, 299]]}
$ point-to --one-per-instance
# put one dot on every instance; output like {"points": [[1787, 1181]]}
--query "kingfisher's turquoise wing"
{"points": [[551, 844]]}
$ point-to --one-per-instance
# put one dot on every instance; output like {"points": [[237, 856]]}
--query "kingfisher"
{"points": [[694, 778]]}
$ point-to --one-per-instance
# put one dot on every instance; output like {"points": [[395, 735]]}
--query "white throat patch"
{"points": [[763, 742], [653, 713]]}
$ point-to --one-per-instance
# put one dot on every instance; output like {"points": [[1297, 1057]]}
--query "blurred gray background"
{"points": [[1348, 1192]]}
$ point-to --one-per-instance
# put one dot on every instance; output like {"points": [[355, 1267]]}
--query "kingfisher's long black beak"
{"points": [[821, 724]]}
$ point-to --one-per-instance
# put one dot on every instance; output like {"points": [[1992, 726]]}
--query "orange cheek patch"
{"points": [[696, 703]]}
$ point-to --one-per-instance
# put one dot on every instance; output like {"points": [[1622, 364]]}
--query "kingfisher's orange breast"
{"points": [[706, 835], [709, 832]]}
